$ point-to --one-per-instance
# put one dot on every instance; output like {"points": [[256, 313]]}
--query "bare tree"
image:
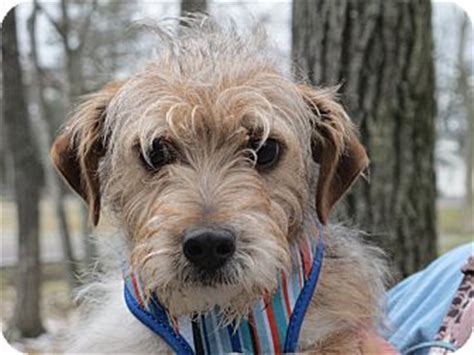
{"points": [[46, 127], [454, 88], [382, 54], [6, 180], [97, 44], [73, 39], [189, 6], [464, 89], [28, 174]]}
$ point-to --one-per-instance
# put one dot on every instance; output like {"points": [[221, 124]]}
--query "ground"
{"points": [[57, 306]]}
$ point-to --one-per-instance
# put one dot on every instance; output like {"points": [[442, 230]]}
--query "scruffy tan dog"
{"points": [[211, 162]]}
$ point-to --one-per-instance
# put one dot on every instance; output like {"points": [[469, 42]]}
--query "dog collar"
{"points": [[272, 326]]}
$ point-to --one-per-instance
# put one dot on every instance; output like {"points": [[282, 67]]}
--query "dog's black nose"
{"points": [[209, 248]]}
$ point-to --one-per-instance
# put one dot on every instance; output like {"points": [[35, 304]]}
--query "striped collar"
{"points": [[272, 326]]}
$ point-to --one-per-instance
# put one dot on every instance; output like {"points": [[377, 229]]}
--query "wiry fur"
{"points": [[209, 91]]}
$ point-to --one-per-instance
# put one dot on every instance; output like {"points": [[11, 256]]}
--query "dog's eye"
{"points": [[158, 155], [267, 153]]}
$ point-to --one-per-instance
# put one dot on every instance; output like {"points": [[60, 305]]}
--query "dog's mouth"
{"points": [[195, 276], [235, 285]]}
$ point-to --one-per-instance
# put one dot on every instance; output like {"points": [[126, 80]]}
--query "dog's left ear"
{"points": [[77, 151], [335, 147]]}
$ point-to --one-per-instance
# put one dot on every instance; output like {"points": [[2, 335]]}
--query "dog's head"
{"points": [[210, 159]]}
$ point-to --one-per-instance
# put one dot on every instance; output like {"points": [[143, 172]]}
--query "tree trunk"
{"points": [[189, 6], [75, 88], [28, 178], [46, 125], [469, 159], [465, 91], [382, 54]]}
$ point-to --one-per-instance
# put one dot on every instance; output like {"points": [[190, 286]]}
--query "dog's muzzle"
{"points": [[274, 321]]}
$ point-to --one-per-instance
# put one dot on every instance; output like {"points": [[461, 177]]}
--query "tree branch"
{"points": [[85, 25], [59, 29]]}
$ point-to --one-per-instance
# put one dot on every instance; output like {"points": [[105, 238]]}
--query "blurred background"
{"points": [[406, 76]]}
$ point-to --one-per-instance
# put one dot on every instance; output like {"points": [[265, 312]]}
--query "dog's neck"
{"points": [[272, 325]]}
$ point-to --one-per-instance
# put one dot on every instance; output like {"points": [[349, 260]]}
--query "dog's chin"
{"points": [[196, 277], [234, 288], [201, 298], [202, 291]]}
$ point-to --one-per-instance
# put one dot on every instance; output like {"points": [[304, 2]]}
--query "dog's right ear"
{"points": [[77, 151]]}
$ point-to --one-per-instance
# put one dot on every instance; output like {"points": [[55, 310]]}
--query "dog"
{"points": [[212, 163]]}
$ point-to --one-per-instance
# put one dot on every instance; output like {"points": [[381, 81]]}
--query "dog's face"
{"points": [[211, 169]]}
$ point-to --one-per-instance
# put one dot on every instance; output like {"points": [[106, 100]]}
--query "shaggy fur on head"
{"points": [[208, 95]]}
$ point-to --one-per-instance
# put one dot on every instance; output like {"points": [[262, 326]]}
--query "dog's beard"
{"points": [[194, 276], [184, 288], [234, 287]]}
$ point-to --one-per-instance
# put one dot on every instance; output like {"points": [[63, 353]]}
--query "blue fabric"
{"points": [[297, 317], [417, 306], [158, 323]]}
